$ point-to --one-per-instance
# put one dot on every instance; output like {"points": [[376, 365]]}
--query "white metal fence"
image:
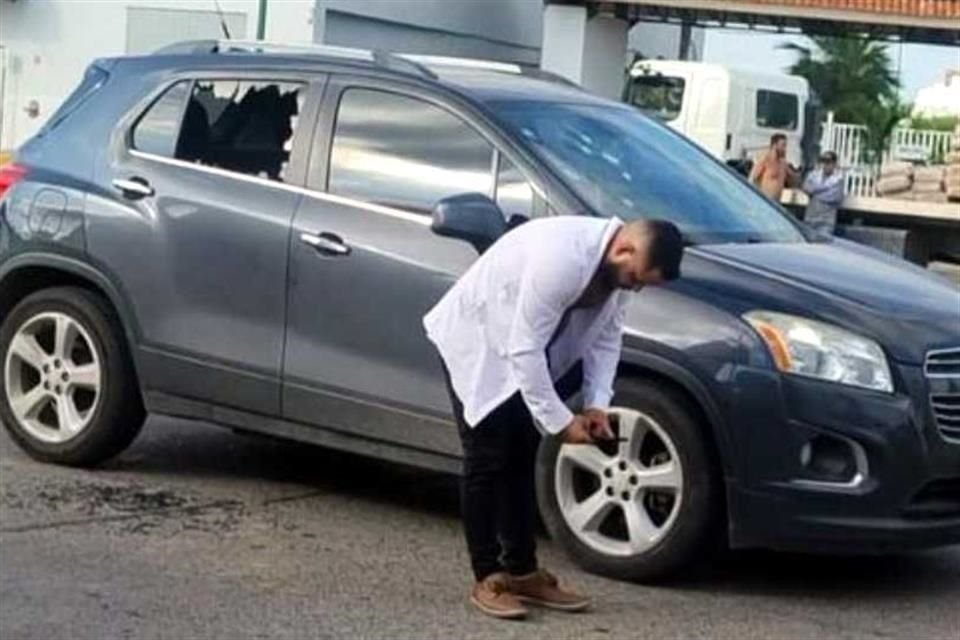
{"points": [[849, 142]]}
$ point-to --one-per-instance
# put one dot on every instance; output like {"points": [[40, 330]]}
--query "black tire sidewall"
{"points": [[698, 522], [118, 415]]}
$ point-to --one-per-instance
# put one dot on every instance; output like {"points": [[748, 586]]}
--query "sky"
{"points": [[920, 65]]}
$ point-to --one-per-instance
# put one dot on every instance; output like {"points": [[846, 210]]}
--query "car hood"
{"points": [[906, 308]]}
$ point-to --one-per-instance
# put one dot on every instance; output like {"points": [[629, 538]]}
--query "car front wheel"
{"points": [[641, 508]]}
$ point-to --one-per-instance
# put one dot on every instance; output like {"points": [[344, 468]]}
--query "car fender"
{"points": [[634, 360]]}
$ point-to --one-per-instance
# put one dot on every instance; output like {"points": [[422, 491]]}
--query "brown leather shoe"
{"points": [[541, 587], [492, 596]]}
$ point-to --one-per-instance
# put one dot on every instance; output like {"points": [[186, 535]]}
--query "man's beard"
{"points": [[609, 276]]}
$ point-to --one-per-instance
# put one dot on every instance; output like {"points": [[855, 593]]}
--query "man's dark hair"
{"points": [[777, 137], [666, 248]]}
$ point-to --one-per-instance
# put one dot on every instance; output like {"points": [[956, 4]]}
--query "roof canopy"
{"points": [[927, 21]]}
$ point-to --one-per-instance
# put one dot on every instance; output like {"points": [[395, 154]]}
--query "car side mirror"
{"points": [[472, 217]]}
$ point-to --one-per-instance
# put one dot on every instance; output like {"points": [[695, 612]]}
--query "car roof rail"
{"points": [[463, 63], [550, 76], [187, 47], [490, 65], [414, 64], [381, 59]]}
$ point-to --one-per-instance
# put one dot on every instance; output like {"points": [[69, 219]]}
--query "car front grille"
{"points": [[943, 363], [946, 409]]}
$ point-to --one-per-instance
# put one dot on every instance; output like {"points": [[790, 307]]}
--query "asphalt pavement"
{"points": [[198, 532]]}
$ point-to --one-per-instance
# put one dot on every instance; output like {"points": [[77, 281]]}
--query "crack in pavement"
{"points": [[160, 511], [168, 511], [298, 496]]}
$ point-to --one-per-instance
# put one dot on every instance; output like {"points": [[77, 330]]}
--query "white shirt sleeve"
{"points": [[602, 358], [547, 289]]}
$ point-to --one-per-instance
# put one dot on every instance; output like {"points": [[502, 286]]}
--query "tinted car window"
{"points": [[158, 128], [624, 164], [399, 151], [777, 110], [241, 126], [514, 193]]}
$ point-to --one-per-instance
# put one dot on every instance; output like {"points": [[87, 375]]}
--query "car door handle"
{"points": [[133, 187], [327, 243]]}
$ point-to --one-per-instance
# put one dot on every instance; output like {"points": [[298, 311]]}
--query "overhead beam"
{"points": [[834, 16], [792, 10]]}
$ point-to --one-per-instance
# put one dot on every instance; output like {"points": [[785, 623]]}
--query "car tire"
{"points": [[78, 421], [604, 544]]}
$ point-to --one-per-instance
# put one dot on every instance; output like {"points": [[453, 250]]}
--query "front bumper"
{"points": [[905, 493]]}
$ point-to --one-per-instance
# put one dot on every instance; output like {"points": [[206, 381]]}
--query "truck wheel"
{"points": [[641, 509], [70, 391]]}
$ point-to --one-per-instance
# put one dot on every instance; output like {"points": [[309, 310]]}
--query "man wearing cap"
{"points": [[824, 186]]}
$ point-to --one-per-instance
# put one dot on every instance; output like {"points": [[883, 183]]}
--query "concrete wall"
{"points": [[590, 51], [47, 44], [351, 30], [507, 30]]}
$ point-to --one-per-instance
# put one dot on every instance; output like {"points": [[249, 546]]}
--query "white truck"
{"points": [[730, 112]]}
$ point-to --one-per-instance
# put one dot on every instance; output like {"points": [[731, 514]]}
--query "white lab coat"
{"points": [[493, 327]]}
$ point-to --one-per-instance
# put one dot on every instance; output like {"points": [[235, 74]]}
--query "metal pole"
{"points": [[262, 20], [686, 34]]}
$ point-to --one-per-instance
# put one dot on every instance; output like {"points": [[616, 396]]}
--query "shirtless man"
{"points": [[771, 172]]}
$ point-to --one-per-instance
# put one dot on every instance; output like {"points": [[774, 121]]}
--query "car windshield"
{"points": [[658, 96], [624, 164]]}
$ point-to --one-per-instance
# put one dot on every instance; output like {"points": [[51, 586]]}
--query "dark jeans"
{"points": [[498, 494], [497, 491]]}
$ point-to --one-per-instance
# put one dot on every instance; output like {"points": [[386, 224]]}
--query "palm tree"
{"points": [[850, 75], [881, 118]]}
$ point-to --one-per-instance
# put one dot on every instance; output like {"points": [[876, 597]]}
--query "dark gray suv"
{"points": [[244, 235]]}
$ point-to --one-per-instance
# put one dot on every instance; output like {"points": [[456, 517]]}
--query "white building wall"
{"points": [[564, 40], [604, 57], [590, 51], [289, 21], [45, 45]]}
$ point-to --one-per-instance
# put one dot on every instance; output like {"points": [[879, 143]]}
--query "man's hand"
{"points": [[577, 432], [599, 424]]}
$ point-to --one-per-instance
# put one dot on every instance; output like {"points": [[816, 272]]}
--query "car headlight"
{"points": [[818, 350]]}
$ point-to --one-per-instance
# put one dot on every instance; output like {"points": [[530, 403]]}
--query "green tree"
{"points": [[850, 75], [935, 123]]}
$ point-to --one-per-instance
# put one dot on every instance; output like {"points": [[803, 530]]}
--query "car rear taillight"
{"points": [[10, 174]]}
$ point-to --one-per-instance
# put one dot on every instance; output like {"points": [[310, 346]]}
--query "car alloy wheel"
{"points": [[52, 377], [622, 499]]}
